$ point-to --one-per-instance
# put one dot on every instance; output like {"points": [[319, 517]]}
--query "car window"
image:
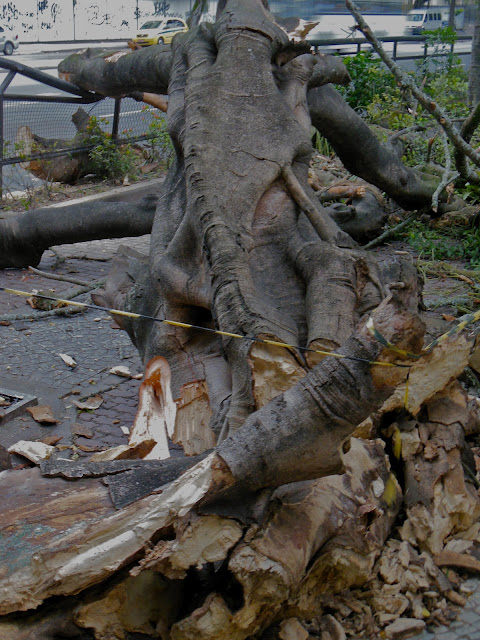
{"points": [[153, 24], [174, 23]]}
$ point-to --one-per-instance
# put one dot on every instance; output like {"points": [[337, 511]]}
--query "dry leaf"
{"points": [[121, 371], [51, 440], [68, 360], [87, 448], [82, 430], [448, 317], [90, 403], [42, 413]]}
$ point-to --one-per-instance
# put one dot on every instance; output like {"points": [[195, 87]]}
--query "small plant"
{"points": [[161, 146], [369, 77], [321, 144], [458, 243], [108, 159]]}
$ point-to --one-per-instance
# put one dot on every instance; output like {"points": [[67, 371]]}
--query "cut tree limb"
{"points": [[24, 237]]}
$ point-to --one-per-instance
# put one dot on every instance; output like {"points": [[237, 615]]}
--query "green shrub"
{"points": [[161, 146], [108, 159], [369, 77], [454, 243]]}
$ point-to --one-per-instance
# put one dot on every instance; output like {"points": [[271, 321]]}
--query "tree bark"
{"points": [[474, 73], [24, 238], [243, 250]]}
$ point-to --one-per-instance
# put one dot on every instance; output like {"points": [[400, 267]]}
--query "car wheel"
{"points": [[8, 49], [160, 41]]}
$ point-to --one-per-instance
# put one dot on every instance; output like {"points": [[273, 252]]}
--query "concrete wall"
{"points": [[54, 20]]}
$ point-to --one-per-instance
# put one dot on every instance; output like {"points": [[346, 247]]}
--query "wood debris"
{"points": [[68, 360], [33, 451], [42, 413], [122, 371], [90, 404]]}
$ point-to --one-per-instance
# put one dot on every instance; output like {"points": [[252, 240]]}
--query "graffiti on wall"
{"points": [[161, 8], [53, 20]]}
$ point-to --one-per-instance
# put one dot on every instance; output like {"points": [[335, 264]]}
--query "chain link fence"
{"points": [[49, 126]]}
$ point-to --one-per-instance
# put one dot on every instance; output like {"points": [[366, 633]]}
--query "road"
{"points": [[51, 120]]}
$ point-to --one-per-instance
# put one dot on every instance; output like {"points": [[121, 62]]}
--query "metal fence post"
{"points": [[116, 117], [3, 88]]}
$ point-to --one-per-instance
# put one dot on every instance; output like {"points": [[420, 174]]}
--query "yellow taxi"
{"points": [[159, 31]]}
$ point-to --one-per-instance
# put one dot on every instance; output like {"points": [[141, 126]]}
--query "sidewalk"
{"points": [[50, 47], [30, 363]]}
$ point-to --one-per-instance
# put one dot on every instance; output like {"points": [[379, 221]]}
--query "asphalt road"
{"points": [[51, 120]]}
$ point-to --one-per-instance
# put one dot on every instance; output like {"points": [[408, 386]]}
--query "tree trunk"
{"points": [[474, 73], [451, 14], [286, 509]]}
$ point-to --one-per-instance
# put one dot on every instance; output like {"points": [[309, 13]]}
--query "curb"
{"points": [[117, 194]]}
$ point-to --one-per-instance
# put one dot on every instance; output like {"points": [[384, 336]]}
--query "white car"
{"points": [[9, 41]]}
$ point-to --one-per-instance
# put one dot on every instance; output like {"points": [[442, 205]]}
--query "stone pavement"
{"points": [[30, 364]]}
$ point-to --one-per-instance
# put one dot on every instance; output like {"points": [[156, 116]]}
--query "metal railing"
{"points": [[72, 95], [318, 43]]}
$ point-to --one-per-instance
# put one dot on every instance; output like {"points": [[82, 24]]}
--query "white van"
{"points": [[429, 19], [420, 20]]}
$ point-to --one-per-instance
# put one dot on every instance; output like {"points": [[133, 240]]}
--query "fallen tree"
{"points": [[264, 534]]}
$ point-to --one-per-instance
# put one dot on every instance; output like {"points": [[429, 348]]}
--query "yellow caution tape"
{"points": [[185, 325]]}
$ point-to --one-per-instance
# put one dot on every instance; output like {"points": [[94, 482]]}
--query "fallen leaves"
{"points": [[44, 303], [82, 430], [90, 404], [42, 413]]}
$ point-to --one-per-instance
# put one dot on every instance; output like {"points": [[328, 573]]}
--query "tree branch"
{"points": [[120, 73], [467, 131], [431, 107]]}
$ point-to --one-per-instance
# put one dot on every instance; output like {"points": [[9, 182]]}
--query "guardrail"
{"points": [[396, 40]]}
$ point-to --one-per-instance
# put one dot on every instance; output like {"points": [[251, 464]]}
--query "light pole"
{"points": [[73, 10]]}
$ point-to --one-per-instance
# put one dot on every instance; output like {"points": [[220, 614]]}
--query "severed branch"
{"points": [[57, 276], [71, 294], [467, 131], [431, 107], [153, 99], [447, 176], [392, 231], [24, 238]]}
